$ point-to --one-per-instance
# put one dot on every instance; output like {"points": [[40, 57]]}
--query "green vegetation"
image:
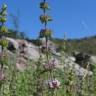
{"points": [[86, 45]]}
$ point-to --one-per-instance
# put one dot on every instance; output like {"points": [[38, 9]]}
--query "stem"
{"points": [[47, 49], [45, 26]]}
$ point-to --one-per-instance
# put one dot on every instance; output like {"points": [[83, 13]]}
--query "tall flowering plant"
{"points": [[3, 41], [46, 70]]}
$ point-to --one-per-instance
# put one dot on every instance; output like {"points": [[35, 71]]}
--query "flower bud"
{"points": [[51, 65], [45, 19], [4, 7], [45, 33], [4, 43], [44, 5], [3, 13], [3, 29], [3, 20]]}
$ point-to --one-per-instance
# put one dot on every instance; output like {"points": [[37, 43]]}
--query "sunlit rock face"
{"points": [[28, 50], [32, 52], [79, 70], [13, 44], [93, 59]]}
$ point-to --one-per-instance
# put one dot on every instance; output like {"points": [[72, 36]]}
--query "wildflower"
{"points": [[51, 65], [53, 84]]}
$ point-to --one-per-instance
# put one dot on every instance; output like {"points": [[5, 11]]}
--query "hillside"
{"points": [[87, 45]]}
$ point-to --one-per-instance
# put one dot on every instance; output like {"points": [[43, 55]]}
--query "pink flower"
{"points": [[51, 65], [53, 84]]}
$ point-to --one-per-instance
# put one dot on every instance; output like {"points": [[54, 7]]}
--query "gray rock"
{"points": [[93, 60], [80, 71], [13, 43], [32, 52]]}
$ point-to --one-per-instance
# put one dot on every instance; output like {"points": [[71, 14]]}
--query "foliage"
{"points": [[86, 45]]}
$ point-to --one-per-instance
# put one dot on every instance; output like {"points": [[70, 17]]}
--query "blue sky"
{"points": [[76, 18]]}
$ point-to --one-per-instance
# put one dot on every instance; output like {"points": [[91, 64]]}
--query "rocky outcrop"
{"points": [[32, 52], [13, 44], [79, 70], [69, 63], [28, 50], [24, 48], [93, 60], [82, 58]]}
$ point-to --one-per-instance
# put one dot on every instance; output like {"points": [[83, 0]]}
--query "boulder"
{"points": [[13, 44], [32, 52], [80, 71], [21, 64], [93, 60], [28, 50], [82, 59]]}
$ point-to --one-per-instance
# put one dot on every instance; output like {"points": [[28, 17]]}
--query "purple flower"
{"points": [[53, 84], [51, 65]]}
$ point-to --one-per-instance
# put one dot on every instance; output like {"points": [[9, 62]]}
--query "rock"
{"points": [[72, 58], [51, 47], [0, 49], [82, 59], [22, 46], [28, 50], [93, 60], [22, 43], [13, 44], [70, 64], [11, 47], [32, 52], [55, 53], [80, 71], [21, 64]]}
